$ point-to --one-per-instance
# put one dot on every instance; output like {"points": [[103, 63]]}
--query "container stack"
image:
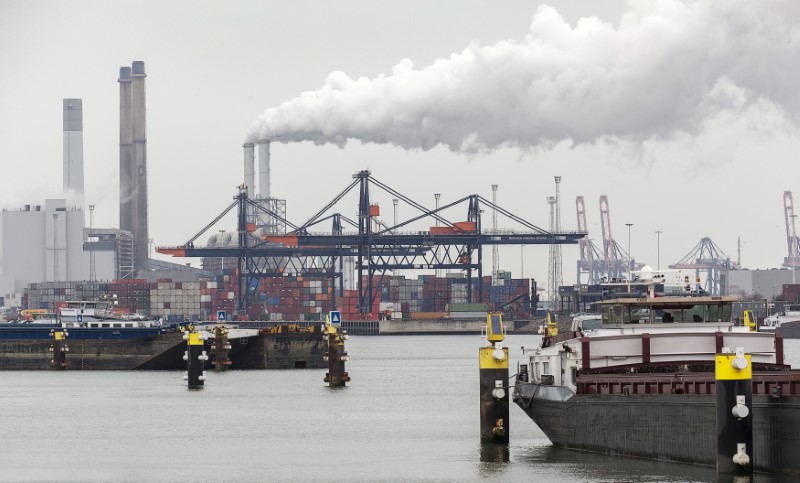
{"points": [[47, 295], [132, 295], [175, 301]]}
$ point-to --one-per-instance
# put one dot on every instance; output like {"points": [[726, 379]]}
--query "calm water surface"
{"points": [[410, 413]]}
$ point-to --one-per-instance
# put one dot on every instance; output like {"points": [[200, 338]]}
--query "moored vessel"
{"points": [[643, 383], [99, 338], [786, 323]]}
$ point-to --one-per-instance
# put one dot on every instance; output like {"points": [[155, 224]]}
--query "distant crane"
{"points": [[591, 261], [615, 260], [792, 260], [707, 256]]}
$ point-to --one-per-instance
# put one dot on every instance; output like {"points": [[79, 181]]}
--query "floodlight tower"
{"points": [[495, 250]]}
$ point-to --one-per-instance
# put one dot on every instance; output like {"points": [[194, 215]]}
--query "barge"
{"points": [[28, 347], [642, 383]]}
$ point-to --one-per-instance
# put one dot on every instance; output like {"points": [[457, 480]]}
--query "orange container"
{"points": [[468, 226], [374, 210], [441, 230]]}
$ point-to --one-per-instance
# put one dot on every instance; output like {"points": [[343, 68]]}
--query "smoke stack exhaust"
{"points": [[73, 148], [250, 169], [263, 168]]}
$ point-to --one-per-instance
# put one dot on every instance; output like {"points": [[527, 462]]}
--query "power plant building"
{"points": [[133, 160]]}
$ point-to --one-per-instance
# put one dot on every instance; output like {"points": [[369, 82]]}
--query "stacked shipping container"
{"points": [[288, 297]]}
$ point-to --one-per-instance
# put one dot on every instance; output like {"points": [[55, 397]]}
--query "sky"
{"points": [[685, 114]]}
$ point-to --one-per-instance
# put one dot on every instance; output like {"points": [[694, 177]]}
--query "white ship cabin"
{"points": [[87, 308], [639, 332], [669, 314]]}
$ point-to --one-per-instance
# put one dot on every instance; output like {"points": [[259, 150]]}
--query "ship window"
{"points": [[104, 325], [536, 371], [117, 325], [545, 368], [574, 374]]}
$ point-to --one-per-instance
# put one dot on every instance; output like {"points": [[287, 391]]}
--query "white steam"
{"points": [[665, 69]]}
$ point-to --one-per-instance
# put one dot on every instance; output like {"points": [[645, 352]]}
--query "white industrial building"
{"points": [[46, 243], [763, 283]]}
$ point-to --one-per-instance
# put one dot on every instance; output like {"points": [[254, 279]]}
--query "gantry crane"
{"points": [[591, 261], [617, 263], [377, 249], [706, 256], [792, 260]]}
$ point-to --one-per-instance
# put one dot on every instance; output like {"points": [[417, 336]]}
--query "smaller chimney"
{"points": [[250, 168], [263, 169]]}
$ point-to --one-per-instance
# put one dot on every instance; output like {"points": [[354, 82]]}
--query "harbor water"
{"points": [[410, 413]]}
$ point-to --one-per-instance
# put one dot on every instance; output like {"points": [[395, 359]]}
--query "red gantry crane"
{"points": [[615, 260], [591, 261]]}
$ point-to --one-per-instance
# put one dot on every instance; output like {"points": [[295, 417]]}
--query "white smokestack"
{"points": [[665, 69], [250, 169], [263, 168], [73, 149]]}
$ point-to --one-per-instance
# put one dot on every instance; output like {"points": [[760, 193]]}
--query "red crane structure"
{"points": [[616, 261], [592, 260], [792, 260], [706, 256]]}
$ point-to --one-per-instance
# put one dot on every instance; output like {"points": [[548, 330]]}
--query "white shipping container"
{"points": [[205, 298]]}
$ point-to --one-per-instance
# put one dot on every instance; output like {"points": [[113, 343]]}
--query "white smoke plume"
{"points": [[664, 69]]}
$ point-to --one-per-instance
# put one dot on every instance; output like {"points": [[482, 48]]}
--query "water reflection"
{"points": [[494, 453]]}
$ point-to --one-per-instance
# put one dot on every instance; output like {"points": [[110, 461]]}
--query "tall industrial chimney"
{"points": [[250, 169], [126, 170], [133, 160], [263, 169], [73, 148]]}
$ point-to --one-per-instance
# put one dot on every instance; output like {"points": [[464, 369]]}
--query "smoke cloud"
{"points": [[663, 70]]}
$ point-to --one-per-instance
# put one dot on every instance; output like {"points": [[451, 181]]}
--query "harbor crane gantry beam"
{"points": [[376, 247]]}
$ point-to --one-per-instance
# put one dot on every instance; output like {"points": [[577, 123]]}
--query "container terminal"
{"points": [[268, 270]]}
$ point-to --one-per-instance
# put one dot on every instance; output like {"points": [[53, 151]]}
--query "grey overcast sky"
{"points": [[683, 113]]}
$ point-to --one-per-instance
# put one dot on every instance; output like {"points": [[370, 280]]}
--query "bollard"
{"points": [[734, 388], [220, 348], [195, 358], [336, 355], [59, 349], [494, 398]]}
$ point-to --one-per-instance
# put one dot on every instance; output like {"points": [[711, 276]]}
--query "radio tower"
{"points": [[495, 251], [555, 276]]}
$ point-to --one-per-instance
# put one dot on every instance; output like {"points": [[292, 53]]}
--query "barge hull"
{"points": [[673, 427], [162, 351], [96, 354]]}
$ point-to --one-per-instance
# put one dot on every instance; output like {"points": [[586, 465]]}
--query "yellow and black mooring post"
{"points": [[220, 348], [734, 387], [59, 349], [336, 356], [493, 380], [195, 358]]}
